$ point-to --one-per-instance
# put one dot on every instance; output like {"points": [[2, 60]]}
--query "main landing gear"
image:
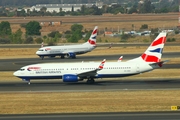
{"points": [[42, 57], [62, 56], [90, 81], [29, 83], [27, 80]]}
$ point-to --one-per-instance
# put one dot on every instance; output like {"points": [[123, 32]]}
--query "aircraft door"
{"points": [[137, 68]]}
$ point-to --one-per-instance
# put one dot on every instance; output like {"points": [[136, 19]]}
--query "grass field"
{"points": [[74, 102], [124, 21]]}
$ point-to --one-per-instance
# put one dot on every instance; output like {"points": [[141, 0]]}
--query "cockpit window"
{"points": [[40, 50], [22, 69]]}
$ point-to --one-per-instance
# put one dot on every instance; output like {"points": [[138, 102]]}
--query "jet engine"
{"points": [[71, 55], [70, 78]]}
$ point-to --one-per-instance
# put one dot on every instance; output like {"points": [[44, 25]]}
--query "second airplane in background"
{"points": [[70, 50]]}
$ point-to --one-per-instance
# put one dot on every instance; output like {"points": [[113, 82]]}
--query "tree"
{"points": [[20, 12], [144, 26], [43, 10], [38, 40], [28, 40], [76, 33], [33, 28], [61, 12], [83, 8], [4, 41], [5, 28], [16, 37], [88, 34], [54, 33], [133, 9], [76, 27], [72, 9], [125, 37], [146, 7]]}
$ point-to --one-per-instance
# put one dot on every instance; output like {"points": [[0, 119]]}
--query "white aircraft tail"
{"points": [[92, 38], [153, 53]]}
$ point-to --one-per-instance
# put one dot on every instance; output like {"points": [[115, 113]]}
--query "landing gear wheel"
{"points": [[90, 81], [62, 56], [27, 80], [42, 57]]}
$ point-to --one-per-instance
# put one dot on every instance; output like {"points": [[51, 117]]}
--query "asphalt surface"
{"points": [[98, 116], [120, 84], [101, 84], [15, 64]]}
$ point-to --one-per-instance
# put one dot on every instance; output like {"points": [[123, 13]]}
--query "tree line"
{"points": [[33, 34]]}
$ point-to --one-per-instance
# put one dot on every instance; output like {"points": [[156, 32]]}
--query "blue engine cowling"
{"points": [[70, 78], [71, 55]]}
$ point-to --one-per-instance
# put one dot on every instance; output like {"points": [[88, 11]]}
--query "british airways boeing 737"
{"points": [[74, 72], [70, 50]]}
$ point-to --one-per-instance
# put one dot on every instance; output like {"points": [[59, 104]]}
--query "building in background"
{"points": [[64, 7]]}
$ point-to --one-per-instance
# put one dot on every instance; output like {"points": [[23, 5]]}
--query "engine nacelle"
{"points": [[71, 55], [70, 78]]}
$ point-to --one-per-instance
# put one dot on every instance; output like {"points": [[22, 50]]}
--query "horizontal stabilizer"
{"points": [[160, 63]]}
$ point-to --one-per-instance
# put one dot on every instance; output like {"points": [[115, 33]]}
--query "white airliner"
{"points": [[69, 50], [78, 71]]}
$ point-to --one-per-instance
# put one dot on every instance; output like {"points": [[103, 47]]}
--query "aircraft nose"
{"points": [[15, 73], [37, 52]]}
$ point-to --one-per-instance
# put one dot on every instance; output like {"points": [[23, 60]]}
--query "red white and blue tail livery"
{"points": [[78, 71], [92, 39], [154, 52]]}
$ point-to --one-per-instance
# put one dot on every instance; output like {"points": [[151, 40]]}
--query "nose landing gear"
{"points": [[27, 80]]}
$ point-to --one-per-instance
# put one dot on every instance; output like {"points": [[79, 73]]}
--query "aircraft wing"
{"points": [[88, 73], [92, 72], [66, 52]]}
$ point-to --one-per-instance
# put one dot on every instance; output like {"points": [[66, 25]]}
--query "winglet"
{"points": [[101, 66], [120, 59]]}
